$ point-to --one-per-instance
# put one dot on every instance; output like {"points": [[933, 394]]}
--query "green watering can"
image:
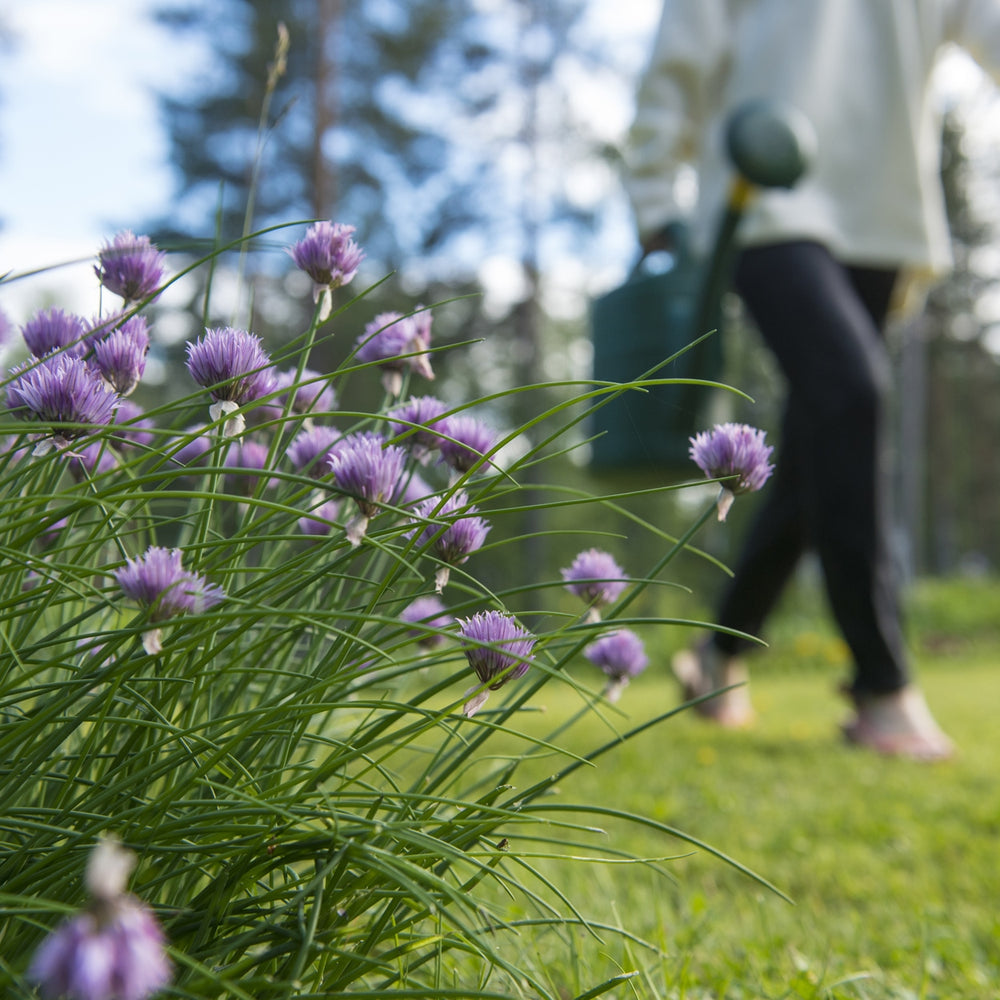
{"points": [[659, 313]]}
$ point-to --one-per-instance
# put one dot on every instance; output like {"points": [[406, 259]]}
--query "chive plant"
{"points": [[242, 637]]}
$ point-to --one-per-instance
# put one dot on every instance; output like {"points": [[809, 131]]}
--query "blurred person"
{"points": [[818, 268]]}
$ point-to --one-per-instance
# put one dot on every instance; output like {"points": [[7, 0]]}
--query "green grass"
{"points": [[892, 866]]}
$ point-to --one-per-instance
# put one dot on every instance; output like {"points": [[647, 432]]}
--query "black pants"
{"points": [[829, 492]]}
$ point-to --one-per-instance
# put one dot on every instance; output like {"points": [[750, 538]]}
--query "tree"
{"points": [[412, 119]]}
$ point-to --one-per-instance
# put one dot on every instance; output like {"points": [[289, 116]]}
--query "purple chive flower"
{"points": [[313, 394], [130, 266], [100, 326], [118, 954], [328, 255], [464, 441], [621, 655], [453, 545], [245, 460], [309, 448], [134, 430], [369, 470], [234, 367], [60, 390], [596, 578], [736, 453], [121, 356], [158, 581], [318, 522], [428, 616], [54, 330], [232, 364], [396, 343], [385, 338], [497, 648], [114, 950], [414, 490], [414, 422], [193, 445]]}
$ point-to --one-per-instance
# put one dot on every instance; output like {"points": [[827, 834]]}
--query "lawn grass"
{"points": [[892, 866]]}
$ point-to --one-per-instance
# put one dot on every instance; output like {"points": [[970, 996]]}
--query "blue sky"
{"points": [[81, 149], [76, 113]]}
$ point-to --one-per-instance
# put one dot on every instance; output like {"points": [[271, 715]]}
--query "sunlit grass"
{"points": [[891, 866]]}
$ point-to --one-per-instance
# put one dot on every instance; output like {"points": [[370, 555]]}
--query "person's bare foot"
{"points": [[705, 669], [899, 725]]}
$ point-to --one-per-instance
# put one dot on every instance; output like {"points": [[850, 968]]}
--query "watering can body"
{"points": [[635, 327]]}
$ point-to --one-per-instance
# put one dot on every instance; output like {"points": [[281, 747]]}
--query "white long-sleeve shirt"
{"points": [[858, 69]]}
